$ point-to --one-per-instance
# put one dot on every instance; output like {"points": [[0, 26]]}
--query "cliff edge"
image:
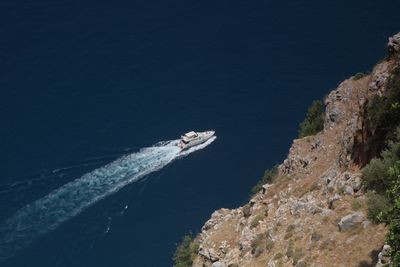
{"points": [[314, 213]]}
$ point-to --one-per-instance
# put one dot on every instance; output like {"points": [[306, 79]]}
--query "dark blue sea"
{"points": [[83, 83]]}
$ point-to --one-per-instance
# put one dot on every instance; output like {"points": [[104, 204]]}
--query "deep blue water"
{"points": [[82, 84]]}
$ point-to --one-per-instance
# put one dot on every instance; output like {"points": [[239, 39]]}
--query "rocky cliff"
{"points": [[314, 214]]}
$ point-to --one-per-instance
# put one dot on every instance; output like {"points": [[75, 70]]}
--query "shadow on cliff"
{"points": [[374, 259]]}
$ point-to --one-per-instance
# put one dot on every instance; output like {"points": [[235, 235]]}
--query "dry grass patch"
{"points": [[256, 220]]}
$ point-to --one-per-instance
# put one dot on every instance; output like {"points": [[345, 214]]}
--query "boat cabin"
{"points": [[189, 136]]}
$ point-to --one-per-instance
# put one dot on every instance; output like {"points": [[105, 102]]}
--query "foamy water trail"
{"points": [[45, 214]]}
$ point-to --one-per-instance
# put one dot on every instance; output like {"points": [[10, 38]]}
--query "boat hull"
{"points": [[202, 137]]}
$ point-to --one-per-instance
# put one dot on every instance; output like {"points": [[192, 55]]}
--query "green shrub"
{"points": [[359, 75], [375, 175], [289, 231], [290, 249], [298, 255], [186, 252], [278, 180], [278, 256], [270, 244], [356, 204], [377, 205], [256, 220], [257, 245], [260, 244], [314, 121], [383, 174], [392, 216], [268, 177]]}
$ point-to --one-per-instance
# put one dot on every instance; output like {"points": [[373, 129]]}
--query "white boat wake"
{"points": [[45, 214]]}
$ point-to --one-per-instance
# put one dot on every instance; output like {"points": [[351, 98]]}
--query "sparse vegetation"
{"points": [[257, 245], [382, 174], [342, 190], [308, 189], [377, 205], [314, 121], [269, 244], [256, 220], [314, 186], [356, 204], [281, 179], [186, 251], [298, 255], [359, 75], [325, 219], [261, 244], [290, 249], [289, 231], [278, 256], [294, 253]]}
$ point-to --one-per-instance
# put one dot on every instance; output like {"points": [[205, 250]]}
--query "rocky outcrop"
{"points": [[314, 212], [351, 221], [384, 257], [394, 45]]}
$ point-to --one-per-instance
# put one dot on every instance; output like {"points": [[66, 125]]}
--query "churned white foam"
{"points": [[45, 214]]}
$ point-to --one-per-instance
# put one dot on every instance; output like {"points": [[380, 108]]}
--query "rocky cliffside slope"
{"points": [[314, 214]]}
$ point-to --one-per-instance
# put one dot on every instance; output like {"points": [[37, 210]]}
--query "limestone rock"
{"points": [[384, 257], [348, 190], [218, 264], [209, 253], [394, 44], [216, 217], [350, 221], [332, 201], [379, 78], [355, 182]]}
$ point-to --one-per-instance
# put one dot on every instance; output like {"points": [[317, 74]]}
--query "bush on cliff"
{"points": [[186, 252], [268, 177], [314, 121], [383, 114], [359, 75], [383, 174], [392, 215], [377, 205]]}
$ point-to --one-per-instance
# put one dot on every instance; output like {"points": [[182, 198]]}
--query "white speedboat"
{"points": [[192, 138]]}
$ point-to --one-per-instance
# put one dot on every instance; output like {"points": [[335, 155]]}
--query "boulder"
{"points": [[348, 190], [218, 264], [384, 257], [209, 254], [350, 221], [355, 182], [217, 217], [330, 176], [332, 200]]}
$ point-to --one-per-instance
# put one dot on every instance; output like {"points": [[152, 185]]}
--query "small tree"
{"points": [[314, 121], [185, 252]]}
